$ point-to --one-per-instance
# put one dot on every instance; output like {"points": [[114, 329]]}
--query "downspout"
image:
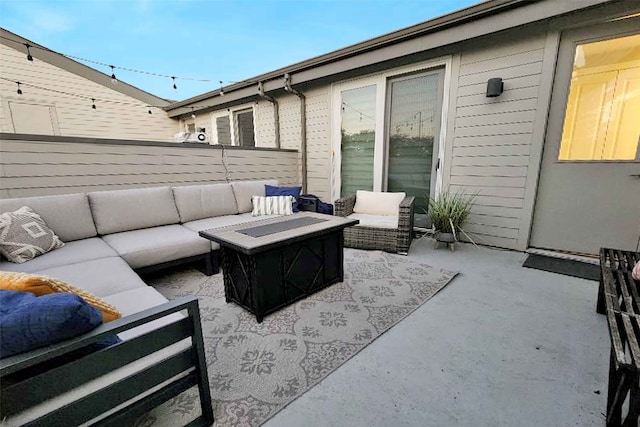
{"points": [[276, 112], [303, 128]]}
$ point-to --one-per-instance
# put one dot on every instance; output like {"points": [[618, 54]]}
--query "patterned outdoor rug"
{"points": [[255, 370]]}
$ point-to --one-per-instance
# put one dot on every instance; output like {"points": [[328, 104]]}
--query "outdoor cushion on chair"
{"points": [[386, 221]]}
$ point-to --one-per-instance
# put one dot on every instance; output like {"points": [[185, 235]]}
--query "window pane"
{"points": [[244, 123], [414, 108], [358, 139], [601, 119], [223, 129]]}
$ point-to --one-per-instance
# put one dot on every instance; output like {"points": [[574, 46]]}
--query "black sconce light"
{"points": [[495, 86]]}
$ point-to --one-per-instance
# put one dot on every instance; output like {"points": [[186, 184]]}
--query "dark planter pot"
{"points": [[447, 238]]}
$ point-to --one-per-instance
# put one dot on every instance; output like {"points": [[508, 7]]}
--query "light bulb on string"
{"points": [[93, 103], [114, 80], [221, 89], [193, 114], [19, 91], [174, 82], [29, 57]]}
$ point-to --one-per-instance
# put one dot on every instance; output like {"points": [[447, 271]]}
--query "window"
{"points": [[244, 128], [234, 127], [601, 119], [191, 127]]}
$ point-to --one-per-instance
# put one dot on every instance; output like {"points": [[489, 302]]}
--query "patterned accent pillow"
{"points": [[24, 236], [272, 205], [41, 285]]}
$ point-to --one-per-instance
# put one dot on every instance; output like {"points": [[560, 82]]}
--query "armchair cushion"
{"points": [[376, 221], [378, 203]]}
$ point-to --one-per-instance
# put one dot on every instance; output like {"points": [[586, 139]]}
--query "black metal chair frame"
{"points": [[31, 378]]}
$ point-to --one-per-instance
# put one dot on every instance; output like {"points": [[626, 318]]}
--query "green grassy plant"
{"points": [[449, 211]]}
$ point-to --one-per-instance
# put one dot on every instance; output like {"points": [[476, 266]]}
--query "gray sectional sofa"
{"points": [[110, 237]]}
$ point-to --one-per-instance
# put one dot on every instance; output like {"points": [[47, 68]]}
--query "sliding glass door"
{"points": [[414, 109], [387, 134]]}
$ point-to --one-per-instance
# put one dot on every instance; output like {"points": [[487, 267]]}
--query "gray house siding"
{"points": [[491, 138], [318, 134], [30, 167]]}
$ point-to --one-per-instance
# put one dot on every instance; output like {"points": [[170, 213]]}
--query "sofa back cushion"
{"points": [[204, 201], [378, 203], [245, 190], [68, 215], [124, 210]]}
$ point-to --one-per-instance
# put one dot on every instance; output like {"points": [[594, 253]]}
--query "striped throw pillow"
{"points": [[272, 205]]}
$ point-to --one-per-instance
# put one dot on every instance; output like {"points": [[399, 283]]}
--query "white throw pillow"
{"points": [[272, 205], [378, 203]]}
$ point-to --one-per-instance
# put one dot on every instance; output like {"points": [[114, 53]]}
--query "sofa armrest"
{"points": [[405, 224], [344, 206], [32, 378]]}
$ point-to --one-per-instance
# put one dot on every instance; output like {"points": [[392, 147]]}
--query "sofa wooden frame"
{"points": [[31, 378]]}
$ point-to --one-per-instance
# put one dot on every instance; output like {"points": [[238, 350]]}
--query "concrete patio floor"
{"points": [[501, 345]]}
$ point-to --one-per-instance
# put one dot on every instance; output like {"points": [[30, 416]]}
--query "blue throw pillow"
{"points": [[28, 322], [272, 190]]}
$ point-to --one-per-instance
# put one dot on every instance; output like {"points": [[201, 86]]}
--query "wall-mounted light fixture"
{"points": [[495, 86]]}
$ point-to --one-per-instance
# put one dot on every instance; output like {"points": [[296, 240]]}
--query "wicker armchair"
{"points": [[385, 239]]}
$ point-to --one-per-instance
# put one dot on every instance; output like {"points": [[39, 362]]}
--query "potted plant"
{"points": [[448, 212]]}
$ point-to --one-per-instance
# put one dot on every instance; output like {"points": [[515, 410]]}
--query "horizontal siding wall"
{"points": [[34, 168], [123, 117], [492, 137], [318, 129]]}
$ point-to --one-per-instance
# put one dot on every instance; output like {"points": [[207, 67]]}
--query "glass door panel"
{"points": [[414, 107], [357, 130]]}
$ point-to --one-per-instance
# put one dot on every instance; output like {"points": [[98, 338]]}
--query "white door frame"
{"points": [[380, 81]]}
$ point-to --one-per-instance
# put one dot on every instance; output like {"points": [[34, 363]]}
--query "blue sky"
{"points": [[207, 39]]}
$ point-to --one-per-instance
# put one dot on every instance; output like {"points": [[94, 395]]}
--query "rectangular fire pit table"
{"points": [[268, 264]]}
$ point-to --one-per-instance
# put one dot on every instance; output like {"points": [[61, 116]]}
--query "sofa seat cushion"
{"points": [[137, 300], [102, 277], [71, 253], [123, 210], [203, 201], [68, 215], [375, 221], [378, 203], [151, 246], [222, 221]]}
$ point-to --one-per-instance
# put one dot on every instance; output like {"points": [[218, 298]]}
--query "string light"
{"points": [[104, 64], [19, 91], [174, 82], [29, 57], [114, 80], [93, 103], [221, 90]]}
